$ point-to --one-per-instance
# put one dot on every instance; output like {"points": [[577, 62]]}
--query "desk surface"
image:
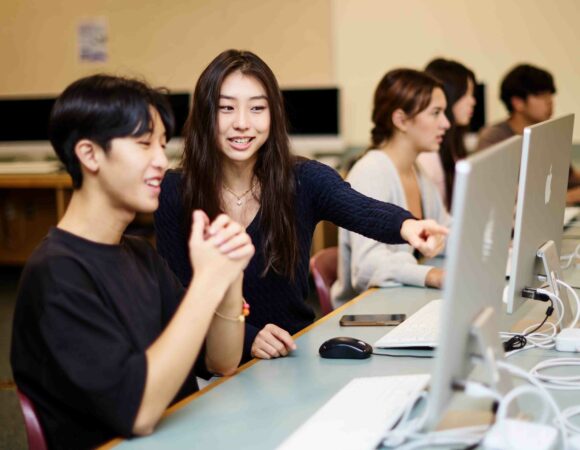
{"points": [[262, 405]]}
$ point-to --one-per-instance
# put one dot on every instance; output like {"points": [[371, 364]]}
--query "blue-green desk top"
{"points": [[264, 403]]}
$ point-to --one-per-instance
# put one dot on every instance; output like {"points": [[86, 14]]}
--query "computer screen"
{"points": [[180, 104], [482, 210], [312, 112], [26, 119], [541, 201]]}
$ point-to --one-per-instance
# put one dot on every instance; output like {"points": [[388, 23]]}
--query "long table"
{"points": [[266, 401]]}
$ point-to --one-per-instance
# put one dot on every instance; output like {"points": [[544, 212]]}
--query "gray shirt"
{"points": [[493, 134], [364, 262]]}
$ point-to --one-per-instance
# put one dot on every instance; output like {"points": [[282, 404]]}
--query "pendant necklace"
{"points": [[240, 197]]}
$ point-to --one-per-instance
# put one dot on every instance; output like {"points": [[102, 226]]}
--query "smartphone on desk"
{"points": [[370, 320]]}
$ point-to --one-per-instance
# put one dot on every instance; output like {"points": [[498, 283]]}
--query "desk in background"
{"points": [[29, 206], [32, 203]]}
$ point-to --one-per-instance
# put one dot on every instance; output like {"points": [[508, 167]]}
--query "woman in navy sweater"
{"points": [[237, 160]]}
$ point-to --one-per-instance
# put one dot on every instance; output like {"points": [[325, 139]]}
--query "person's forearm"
{"points": [[225, 338], [172, 355]]}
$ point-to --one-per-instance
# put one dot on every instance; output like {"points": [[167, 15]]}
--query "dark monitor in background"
{"points": [[314, 123], [180, 103], [24, 125], [478, 118], [24, 119], [312, 112]]}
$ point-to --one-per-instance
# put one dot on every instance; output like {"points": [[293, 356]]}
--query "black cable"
{"points": [[549, 312], [515, 343], [519, 340], [401, 356]]}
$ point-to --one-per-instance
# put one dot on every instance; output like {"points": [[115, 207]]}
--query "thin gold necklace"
{"points": [[241, 196]]}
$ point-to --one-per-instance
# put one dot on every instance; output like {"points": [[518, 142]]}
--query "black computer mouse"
{"points": [[345, 347]]}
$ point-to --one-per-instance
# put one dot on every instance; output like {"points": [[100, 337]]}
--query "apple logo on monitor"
{"points": [[548, 191], [487, 244]]}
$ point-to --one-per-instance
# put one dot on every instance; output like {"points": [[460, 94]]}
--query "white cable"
{"points": [[567, 414], [514, 370], [539, 339], [570, 257], [405, 428], [557, 382], [502, 410], [573, 292], [479, 390], [411, 429]]}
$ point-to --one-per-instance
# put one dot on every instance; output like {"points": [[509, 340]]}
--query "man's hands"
{"points": [[272, 342], [220, 250], [427, 236]]}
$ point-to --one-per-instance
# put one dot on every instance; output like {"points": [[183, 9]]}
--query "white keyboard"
{"points": [[359, 415], [419, 330]]}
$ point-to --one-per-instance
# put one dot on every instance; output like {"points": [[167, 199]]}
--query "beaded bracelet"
{"points": [[242, 317]]}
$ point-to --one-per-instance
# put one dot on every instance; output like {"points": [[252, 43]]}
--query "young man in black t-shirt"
{"points": [[105, 337]]}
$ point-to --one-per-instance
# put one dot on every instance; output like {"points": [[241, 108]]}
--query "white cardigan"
{"points": [[365, 263]]}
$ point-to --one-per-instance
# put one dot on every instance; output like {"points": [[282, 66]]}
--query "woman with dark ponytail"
{"points": [[458, 84], [237, 160], [409, 119]]}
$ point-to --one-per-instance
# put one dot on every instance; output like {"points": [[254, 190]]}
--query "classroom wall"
{"points": [[351, 43], [169, 43], [371, 37]]}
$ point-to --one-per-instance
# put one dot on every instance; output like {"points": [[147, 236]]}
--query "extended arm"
{"points": [[335, 200]]}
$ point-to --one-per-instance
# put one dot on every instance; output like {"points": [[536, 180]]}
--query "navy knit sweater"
{"points": [[321, 194]]}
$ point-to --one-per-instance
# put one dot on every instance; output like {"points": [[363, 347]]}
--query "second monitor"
{"points": [[485, 190], [541, 201]]}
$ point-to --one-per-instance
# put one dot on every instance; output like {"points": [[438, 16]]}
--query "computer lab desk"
{"points": [[266, 401], [29, 205]]}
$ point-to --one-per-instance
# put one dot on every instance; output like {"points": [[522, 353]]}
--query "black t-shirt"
{"points": [[85, 315]]}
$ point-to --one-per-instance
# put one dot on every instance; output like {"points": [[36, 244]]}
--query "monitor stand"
{"points": [[484, 348], [486, 345], [551, 261]]}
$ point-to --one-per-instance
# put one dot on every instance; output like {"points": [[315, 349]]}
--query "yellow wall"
{"points": [[169, 43], [490, 36], [351, 43]]}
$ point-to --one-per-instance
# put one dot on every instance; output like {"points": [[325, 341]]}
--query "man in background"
{"points": [[527, 93]]}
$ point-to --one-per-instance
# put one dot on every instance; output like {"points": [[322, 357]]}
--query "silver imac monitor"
{"points": [[477, 252], [546, 154]]}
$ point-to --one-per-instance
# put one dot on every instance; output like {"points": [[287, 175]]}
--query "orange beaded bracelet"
{"points": [[242, 317]]}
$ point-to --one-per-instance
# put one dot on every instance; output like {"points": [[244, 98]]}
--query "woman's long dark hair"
{"points": [[454, 77], [274, 169]]}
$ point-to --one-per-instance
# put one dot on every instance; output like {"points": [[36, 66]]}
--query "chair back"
{"points": [[323, 266], [34, 432]]}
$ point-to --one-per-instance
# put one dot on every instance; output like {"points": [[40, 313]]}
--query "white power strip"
{"points": [[568, 340]]}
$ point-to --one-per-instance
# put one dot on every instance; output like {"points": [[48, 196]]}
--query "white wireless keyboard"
{"points": [[419, 330], [359, 415]]}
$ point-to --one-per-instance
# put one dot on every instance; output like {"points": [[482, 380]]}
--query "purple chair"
{"points": [[323, 267], [34, 432]]}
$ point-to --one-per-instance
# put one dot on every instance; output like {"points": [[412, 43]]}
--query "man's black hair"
{"points": [[524, 80], [101, 108]]}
